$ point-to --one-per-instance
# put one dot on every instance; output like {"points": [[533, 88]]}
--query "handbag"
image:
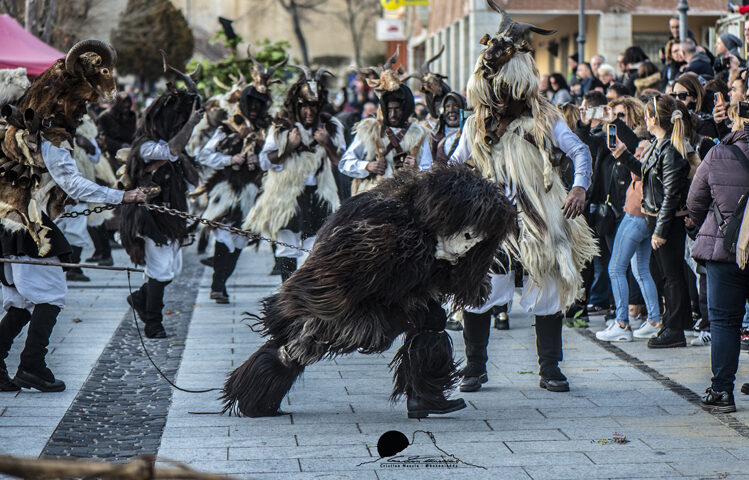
{"points": [[606, 215]]}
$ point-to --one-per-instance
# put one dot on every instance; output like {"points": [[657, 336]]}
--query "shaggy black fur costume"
{"points": [[373, 275]]}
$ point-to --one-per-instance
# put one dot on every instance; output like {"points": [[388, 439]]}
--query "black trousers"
{"points": [[224, 263], [670, 261]]}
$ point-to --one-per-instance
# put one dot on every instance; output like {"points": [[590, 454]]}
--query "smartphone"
{"points": [[611, 134], [717, 98], [744, 109], [594, 113]]}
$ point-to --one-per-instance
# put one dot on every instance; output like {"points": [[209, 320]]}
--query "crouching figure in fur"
{"points": [[382, 266]]}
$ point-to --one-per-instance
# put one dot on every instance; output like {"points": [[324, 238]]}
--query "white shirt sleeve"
{"points": [[65, 173], [97, 152], [570, 144], [353, 162], [425, 155], [208, 155], [151, 151], [461, 154], [269, 147]]}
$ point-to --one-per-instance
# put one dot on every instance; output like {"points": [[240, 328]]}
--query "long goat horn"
{"points": [[425, 66], [391, 61], [188, 79]]}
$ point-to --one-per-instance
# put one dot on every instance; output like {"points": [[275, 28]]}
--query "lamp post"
{"points": [[682, 8], [581, 32]]}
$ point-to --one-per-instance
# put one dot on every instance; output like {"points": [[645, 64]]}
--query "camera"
{"points": [[611, 134]]}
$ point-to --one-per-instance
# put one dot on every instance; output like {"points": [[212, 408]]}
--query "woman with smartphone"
{"points": [[665, 183]]}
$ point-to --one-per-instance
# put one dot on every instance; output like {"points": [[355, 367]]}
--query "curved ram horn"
{"points": [[391, 61], [272, 69], [188, 79], [425, 66], [320, 72], [104, 50], [305, 71], [220, 83]]}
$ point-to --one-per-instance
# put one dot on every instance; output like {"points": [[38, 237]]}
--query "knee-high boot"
{"points": [[76, 274], [424, 370], [10, 326], [224, 264], [287, 266], [549, 349], [154, 306], [33, 371], [476, 328]]}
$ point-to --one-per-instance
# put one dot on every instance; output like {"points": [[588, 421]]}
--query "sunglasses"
{"points": [[680, 95], [621, 115]]}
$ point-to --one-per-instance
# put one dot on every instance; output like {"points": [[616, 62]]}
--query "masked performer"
{"points": [[232, 151], [157, 162], [37, 177], [299, 190], [384, 144], [434, 88], [513, 137], [446, 135], [398, 251]]}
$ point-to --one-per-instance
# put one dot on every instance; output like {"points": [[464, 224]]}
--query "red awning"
{"points": [[19, 48]]}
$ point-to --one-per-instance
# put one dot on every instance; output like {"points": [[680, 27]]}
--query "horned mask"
{"points": [[262, 77], [389, 78]]}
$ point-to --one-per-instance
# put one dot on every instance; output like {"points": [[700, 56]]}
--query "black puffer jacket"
{"points": [[665, 182]]}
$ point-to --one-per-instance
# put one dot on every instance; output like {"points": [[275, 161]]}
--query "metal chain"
{"points": [[194, 218]]}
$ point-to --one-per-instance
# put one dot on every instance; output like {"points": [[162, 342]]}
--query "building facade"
{"points": [[610, 27]]}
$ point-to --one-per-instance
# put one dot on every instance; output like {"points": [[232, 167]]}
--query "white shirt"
{"points": [[451, 136], [208, 155], [64, 172], [354, 161], [151, 151], [567, 142]]}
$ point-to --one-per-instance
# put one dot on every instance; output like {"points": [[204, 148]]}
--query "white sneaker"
{"points": [[636, 322], [647, 330], [615, 333], [703, 339], [610, 322]]}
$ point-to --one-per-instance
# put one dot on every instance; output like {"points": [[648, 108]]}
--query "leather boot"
{"points": [[10, 326], [223, 266], [33, 371], [154, 305], [501, 319], [288, 266], [549, 349], [476, 328], [418, 407], [76, 274], [138, 300]]}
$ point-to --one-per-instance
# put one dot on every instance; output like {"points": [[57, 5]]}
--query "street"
{"points": [[631, 412]]}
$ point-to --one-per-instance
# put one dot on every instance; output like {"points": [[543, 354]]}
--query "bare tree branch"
{"points": [[357, 16]]}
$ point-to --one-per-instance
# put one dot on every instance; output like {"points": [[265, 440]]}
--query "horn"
{"points": [[220, 83], [31, 120], [425, 66], [104, 50], [188, 79], [242, 80], [305, 71], [272, 69], [391, 61], [320, 72], [506, 21], [258, 65], [513, 29]]}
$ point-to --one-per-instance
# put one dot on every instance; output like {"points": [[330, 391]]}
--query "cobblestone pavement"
{"points": [[339, 409]]}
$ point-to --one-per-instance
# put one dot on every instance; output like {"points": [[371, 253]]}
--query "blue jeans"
{"points": [[632, 245], [727, 293]]}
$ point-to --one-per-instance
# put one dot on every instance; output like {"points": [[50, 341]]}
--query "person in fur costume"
{"points": [[38, 176], [299, 191], [446, 134], [514, 137], [157, 162], [86, 154], [233, 152], [391, 141], [397, 251]]}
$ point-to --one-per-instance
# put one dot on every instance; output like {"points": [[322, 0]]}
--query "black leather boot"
{"points": [[10, 326], [421, 408], [138, 300], [549, 349], [501, 319], [476, 328], [76, 274], [223, 266], [33, 371], [287, 266], [152, 316]]}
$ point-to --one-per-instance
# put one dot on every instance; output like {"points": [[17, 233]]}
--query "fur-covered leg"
{"points": [[258, 386], [424, 372]]}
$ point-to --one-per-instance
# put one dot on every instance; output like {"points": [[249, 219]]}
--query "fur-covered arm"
{"points": [[65, 173]]}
